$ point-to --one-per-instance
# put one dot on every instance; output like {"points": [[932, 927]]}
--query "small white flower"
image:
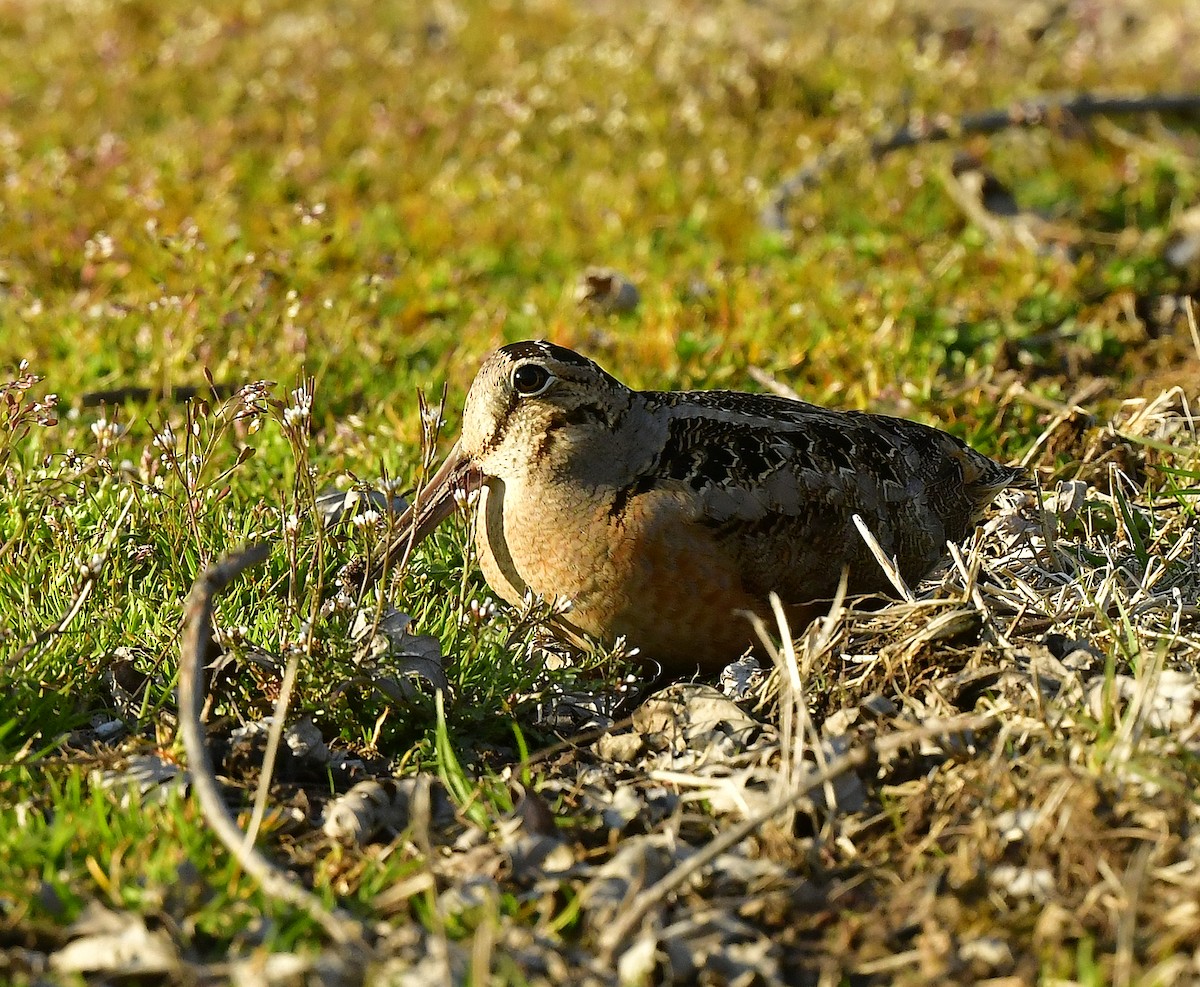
{"points": [[292, 417], [480, 613], [301, 408], [106, 432], [99, 247], [164, 438]]}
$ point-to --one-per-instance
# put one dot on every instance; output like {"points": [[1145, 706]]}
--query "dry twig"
{"points": [[275, 882], [928, 130]]}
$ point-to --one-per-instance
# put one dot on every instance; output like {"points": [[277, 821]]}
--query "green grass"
{"points": [[375, 196]]}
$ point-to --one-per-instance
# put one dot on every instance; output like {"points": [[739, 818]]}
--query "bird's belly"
{"points": [[651, 576]]}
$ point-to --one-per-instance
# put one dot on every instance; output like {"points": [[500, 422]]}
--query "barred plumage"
{"points": [[664, 516]]}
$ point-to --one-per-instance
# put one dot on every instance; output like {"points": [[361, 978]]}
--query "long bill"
{"points": [[433, 502]]}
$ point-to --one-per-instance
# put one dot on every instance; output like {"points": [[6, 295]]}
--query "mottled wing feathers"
{"points": [[780, 480]]}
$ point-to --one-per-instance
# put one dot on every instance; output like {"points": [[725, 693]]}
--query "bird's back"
{"points": [[778, 482]]}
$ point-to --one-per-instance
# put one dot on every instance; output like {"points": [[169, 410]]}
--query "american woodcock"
{"points": [[662, 516]]}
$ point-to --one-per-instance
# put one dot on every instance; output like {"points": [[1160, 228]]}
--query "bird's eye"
{"points": [[530, 379]]}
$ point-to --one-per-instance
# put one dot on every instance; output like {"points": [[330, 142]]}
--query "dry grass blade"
{"points": [[1189, 308], [886, 564], [275, 882], [274, 738]]}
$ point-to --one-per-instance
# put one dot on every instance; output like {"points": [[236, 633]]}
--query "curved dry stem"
{"points": [[274, 881]]}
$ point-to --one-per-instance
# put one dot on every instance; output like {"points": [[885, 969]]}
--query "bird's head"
{"points": [[533, 403]]}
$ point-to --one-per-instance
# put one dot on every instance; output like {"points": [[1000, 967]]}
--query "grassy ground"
{"points": [[352, 201]]}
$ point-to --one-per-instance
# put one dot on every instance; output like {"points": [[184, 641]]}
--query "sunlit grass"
{"points": [[377, 195]]}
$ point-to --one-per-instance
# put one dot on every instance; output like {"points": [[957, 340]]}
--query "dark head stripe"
{"points": [[534, 348]]}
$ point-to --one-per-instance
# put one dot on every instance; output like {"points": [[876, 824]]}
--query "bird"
{"points": [[665, 517]]}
